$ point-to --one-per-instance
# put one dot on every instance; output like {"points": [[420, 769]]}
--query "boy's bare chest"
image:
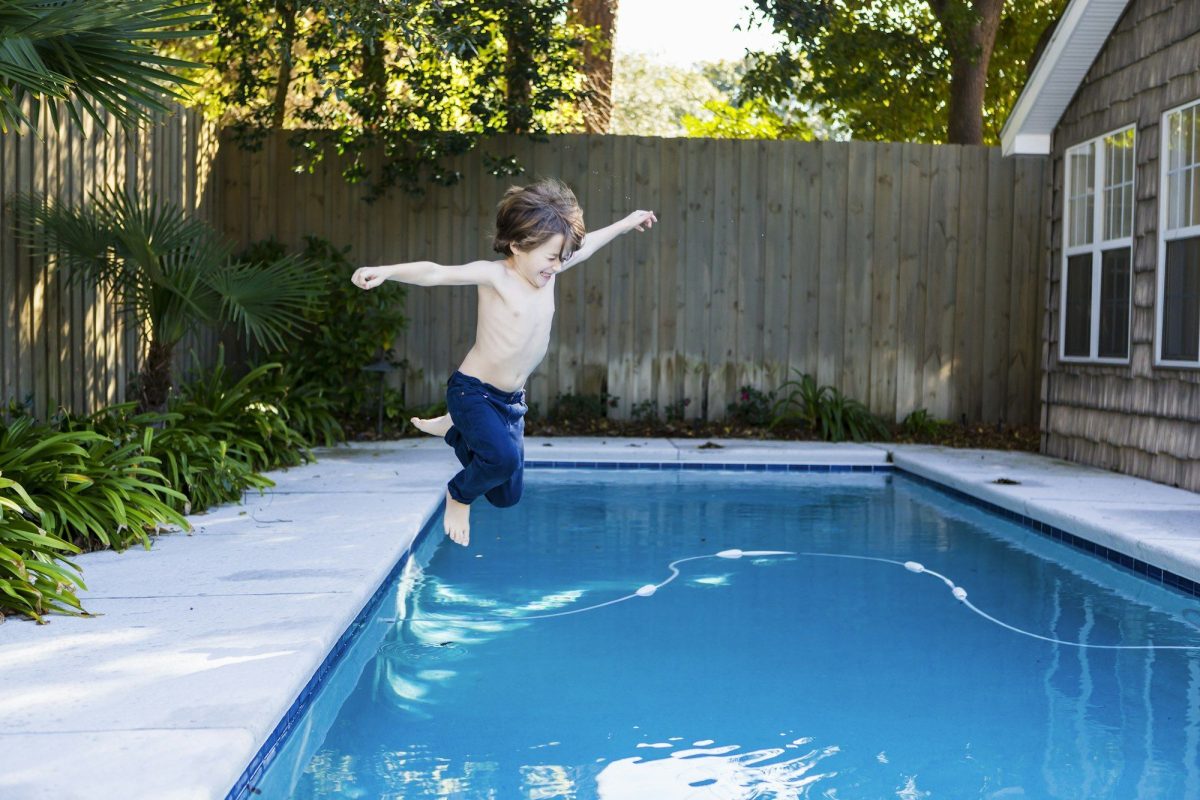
{"points": [[525, 315]]}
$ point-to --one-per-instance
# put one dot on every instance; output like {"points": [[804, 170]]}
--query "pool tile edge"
{"points": [[1152, 558]]}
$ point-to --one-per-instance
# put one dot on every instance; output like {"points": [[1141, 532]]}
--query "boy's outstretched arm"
{"points": [[427, 273], [594, 240]]}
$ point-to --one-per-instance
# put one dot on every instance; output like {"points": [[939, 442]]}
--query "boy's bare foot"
{"points": [[457, 521], [434, 426]]}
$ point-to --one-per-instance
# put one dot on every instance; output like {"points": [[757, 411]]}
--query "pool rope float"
{"points": [[959, 593]]}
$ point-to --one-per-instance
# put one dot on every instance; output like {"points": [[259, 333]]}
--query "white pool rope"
{"points": [[649, 589]]}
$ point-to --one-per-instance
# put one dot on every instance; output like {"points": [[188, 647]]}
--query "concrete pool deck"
{"points": [[204, 642]]}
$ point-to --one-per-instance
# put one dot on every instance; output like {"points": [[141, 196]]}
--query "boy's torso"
{"points": [[512, 332]]}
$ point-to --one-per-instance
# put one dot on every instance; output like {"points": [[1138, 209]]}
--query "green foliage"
{"points": [[348, 330], [203, 469], [417, 81], [90, 56], [920, 424], [751, 408], [825, 410], [644, 411], [579, 407], [880, 69], [249, 415], [171, 272], [111, 478], [673, 412], [35, 576], [754, 119]]}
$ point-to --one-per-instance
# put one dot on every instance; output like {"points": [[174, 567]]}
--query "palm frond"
{"points": [[267, 301], [92, 56]]}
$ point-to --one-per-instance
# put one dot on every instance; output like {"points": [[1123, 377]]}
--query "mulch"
{"points": [[993, 437]]}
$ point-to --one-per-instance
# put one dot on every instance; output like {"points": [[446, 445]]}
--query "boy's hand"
{"points": [[369, 277], [640, 221]]}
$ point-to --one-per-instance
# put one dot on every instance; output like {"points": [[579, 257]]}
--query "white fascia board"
{"points": [[1077, 40]]}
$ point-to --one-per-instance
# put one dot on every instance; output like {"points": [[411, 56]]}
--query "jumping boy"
{"points": [[539, 229]]}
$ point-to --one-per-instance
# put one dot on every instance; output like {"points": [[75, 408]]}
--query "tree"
{"points": [[90, 56], [651, 99], [945, 71], [415, 80], [599, 19]]}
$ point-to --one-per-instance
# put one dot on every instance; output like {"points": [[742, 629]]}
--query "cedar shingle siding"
{"points": [[1135, 417]]}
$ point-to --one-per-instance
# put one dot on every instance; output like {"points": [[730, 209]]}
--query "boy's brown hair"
{"points": [[528, 216]]}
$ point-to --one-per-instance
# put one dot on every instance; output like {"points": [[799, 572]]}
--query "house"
{"points": [[1114, 101]]}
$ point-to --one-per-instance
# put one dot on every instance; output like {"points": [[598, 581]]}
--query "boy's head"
{"points": [[529, 216]]}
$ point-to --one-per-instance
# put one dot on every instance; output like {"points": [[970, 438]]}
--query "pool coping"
{"points": [[1048, 495]]}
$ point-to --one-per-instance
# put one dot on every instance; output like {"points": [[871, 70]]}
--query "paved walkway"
{"points": [[204, 641]]}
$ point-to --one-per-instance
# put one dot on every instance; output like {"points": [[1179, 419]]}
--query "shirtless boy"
{"points": [[539, 229]]}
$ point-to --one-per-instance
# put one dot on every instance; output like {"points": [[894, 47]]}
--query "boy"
{"points": [[539, 229]]}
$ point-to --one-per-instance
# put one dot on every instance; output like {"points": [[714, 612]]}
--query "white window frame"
{"points": [[1096, 248], [1189, 232]]}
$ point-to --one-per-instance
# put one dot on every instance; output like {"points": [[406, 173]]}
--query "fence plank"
{"points": [[996, 313], [910, 287], [776, 264], [1023, 330], [672, 212], [968, 288], [747, 264], [942, 250], [855, 376], [889, 161], [645, 193], [806, 246], [697, 264]]}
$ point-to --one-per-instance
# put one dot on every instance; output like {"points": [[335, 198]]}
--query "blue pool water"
{"points": [[782, 676]]}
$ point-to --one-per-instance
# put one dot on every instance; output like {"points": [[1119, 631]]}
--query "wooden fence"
{"points": [[907, 275], [64, 345]]}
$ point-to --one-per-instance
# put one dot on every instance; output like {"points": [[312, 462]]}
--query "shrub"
{"points": [[921, 425], [644, 411], [673, 412], [825, 410], [581, 407], [348, 330], [751, 408], [35, 577]]}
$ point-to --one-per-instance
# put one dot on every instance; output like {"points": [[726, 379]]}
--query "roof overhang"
{"points": [[1073, 47]]}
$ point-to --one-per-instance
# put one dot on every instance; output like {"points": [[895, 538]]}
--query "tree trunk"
{"points": [[288, 12], [601, 17], [155, 378], [517, 77], [970, 53]]}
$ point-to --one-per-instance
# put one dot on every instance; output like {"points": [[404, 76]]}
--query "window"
{"points": [[1179, 241], [1098, 249]]}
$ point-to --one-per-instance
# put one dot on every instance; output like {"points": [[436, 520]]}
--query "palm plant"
{"points": [[91, 56], [171, 272]]}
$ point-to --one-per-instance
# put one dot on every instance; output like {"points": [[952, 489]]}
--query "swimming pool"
{"points": [[559, 657]]}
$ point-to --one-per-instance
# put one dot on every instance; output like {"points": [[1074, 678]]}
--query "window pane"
{"points": [[1181, 301], [1194, 195], [1114, 303], [1078, 310], [1080, 198], [1118, 177], [1183, 153]]}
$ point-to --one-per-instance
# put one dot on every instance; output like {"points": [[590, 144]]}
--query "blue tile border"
{"points": [[705, 466], [1123, 560], [244, 789]]}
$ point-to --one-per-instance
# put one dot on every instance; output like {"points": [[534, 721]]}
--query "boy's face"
{"points": [[541, 263]]}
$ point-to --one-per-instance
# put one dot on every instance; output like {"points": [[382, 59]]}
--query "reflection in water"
{"points": [[717, 773]]}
